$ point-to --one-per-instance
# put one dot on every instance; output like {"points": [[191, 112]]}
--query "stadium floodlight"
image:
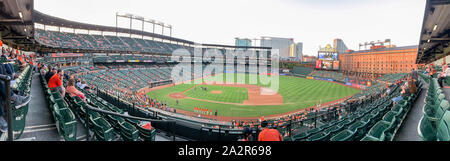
{"points": [[128, 15], [435, 27], [20, 15], [138, 17]]}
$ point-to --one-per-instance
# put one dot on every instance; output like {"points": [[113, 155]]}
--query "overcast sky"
{"points": [[313, 22]]}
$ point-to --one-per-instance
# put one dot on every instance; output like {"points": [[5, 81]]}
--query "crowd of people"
{"points": [[13, 62]]}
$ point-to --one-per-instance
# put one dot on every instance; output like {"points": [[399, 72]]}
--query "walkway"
{"points": [[408, 131]]}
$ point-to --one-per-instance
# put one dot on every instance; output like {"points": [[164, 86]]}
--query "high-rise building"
{"points": [[299, 50], [243, 42], [339, 46], [286, 46]]}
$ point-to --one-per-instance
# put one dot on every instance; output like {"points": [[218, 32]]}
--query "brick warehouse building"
{"points": [[380, 61]]}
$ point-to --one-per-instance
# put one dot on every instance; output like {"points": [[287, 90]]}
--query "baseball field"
{"points": [[246, 100]]}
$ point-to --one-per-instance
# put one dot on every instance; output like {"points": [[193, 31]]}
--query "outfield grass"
{"points": [[229, 94], [297, 93]]}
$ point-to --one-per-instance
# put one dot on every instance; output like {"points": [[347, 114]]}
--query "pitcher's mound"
{"points": [[177, 95], [216, 92]]}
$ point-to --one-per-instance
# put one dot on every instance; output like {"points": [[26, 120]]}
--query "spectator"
{"points": [[17, 99], [246, 134], [83, 85], [414, 74], [447, 73], [403, 94], [56, 82], [412, 85], [441, 78], [73, 91], [79, 83], [50, 73], [268, 134]]}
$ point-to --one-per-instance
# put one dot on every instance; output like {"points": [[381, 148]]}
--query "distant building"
{"points": [[380, 61], [243, 42], [286, 46], [339, 46], [307, 58], [299, 50]]}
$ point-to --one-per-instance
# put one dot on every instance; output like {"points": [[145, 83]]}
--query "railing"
{"points": [[171, 123], [7, 105]]}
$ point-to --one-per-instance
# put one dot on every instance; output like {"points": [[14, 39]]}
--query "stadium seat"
{"points": [[102, 129], [359, 128], [128, 132], [379, 129], [321, 136], [66, 123], [147, 134], [344, 135], [443, 130], [369, 138]]}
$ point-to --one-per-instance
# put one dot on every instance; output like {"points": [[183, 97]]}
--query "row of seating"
{"points": [[19, 113], [328, 74], [387, 127], [99, 42], [63, 116], [348, 128], [435, 122], [109, 127]]}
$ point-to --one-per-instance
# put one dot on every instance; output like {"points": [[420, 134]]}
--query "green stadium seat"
{"points": [[359, 128], [344, 135], [369, 138], [304, 135], [128, 132], [443, 130], [149, 134], [102, 129], [426, 129], [321, 136], [66, 123], [379, 129]]}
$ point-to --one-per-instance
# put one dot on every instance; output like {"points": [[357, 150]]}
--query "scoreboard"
{"points": [[327, 60]]}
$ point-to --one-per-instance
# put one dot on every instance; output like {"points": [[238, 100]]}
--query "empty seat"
{"points": [[321, 136], [66, 123], [344, 135], [443, 130]]}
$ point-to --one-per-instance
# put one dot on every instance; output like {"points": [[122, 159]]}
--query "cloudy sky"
{"points": [[313, 22]]}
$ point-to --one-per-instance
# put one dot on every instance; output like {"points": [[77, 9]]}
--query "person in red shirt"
{"points": [[268, 134], [56, 82]]}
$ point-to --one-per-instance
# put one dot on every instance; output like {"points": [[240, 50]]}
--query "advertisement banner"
{"points": [[133, 61], [120, 61], [148, 61], [318, 64], [309, 77], [335, 65], [54, 55], [325, 79]]}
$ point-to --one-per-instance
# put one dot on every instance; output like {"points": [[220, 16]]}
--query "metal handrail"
{"points": [[89, 107], [7, 105]]}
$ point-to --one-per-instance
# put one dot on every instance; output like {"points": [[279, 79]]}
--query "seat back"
{"points": [[443, 131]]}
